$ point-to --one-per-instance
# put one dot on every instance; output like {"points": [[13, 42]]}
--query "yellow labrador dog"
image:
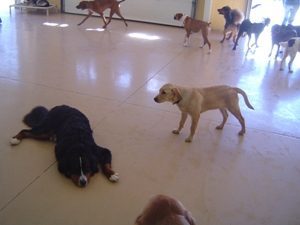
{"points": [[194, 101], [164, 210]]}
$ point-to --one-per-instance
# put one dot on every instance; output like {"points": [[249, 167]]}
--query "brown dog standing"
{"points": [[233, 18], [194, 101], [99, 6], [193, 26], [164, 210]]}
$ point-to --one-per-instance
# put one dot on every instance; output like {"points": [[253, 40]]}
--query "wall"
{"points": [[217, 21], [55, 2]]}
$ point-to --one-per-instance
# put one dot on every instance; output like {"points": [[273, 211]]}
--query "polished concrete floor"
{"points": [[112, 76]]}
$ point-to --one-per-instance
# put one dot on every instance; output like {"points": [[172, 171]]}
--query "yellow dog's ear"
{"points": [[176, 95]]}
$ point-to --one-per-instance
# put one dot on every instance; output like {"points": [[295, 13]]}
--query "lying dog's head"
{"points": [[178, 16], [78, 165], [168, 93], [224, 10], [82, 5]]}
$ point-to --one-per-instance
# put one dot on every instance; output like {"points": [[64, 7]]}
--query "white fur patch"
{"points": [[14, 141], [114, 177]]}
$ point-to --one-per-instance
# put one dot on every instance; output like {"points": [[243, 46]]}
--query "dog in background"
{"points": [[251, 28], [193, 26], [291, 49], [99, 6], [164, 210], [194, 101], [281, 33], [77, 154], [233, 18]]}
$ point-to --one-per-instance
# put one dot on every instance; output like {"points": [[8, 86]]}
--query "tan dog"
{"points": [[194, 101], [233, 19], [193, 26], [99, 6], [164, 210]]}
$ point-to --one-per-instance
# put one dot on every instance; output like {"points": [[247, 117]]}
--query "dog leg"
{"points": [[187, 39], [206, 41], [119, 14], [229, 36], [237, 40], [277, 51], [195, 119], [90, 13], [235, 110], [104, 20], [271, 50], [283, 60], [293, 55], [26, 133], [225, 116], [249, 39], [181, 123], [105, 158], [224, 36]]}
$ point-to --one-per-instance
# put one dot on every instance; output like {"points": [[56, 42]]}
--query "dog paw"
{"points": [[188, 140], [241, 133], [219, 127], [175, 131], [291, 71], [114, 177], [14, 141]]}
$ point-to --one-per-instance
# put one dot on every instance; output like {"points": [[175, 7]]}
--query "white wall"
{"points": [[156, 11]]}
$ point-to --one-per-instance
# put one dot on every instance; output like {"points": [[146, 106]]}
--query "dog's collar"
{"points": [[175, 103]]}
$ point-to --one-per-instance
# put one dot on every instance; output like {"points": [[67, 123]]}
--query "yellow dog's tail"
{"points": [[240, 91]]}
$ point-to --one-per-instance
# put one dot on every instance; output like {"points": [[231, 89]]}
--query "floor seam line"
{"points": [[26, 187]]}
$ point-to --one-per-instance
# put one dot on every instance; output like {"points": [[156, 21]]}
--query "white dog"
{"points": [[291, 49], [193, 101]]}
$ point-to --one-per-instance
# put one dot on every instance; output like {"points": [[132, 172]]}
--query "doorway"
{"points": [[273, 9]]}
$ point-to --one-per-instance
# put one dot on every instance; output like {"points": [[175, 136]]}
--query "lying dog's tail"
{"points": [[240, 91], [36, 116]]}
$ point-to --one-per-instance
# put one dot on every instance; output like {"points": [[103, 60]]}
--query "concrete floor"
{"points": [[112, 77]]}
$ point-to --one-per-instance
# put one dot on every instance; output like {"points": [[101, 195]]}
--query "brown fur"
{"points": [[99, 6], [233, 18], [164, 210], [194, 101], [193, 26]]}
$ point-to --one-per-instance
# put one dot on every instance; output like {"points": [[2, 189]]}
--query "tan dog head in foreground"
{"points": [[164, 210], [194, 101]]}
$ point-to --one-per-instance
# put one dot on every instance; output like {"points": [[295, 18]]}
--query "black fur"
{"points": [[291, 42], [251, 28], [281, 33], [75, 150], [231, 16]]}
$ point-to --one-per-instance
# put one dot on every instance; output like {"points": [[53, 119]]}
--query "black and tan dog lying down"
{"points": [[78, 156]]}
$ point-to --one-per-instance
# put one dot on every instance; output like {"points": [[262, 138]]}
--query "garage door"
{"points": [[154, 11]]}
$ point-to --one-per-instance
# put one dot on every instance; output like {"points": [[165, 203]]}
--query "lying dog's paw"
{"points": [[175, 131], [114, 177], [14, 141]]}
